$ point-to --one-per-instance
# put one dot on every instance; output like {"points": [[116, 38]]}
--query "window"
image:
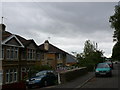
{"points": [[12, 53], [11, 75], [31, 54], [16, 53], [8, 53], [15, 75], [59, 56], [1, 78], [7, 76]]}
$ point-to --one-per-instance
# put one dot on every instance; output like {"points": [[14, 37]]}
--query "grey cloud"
{"points": [[68, 24]]}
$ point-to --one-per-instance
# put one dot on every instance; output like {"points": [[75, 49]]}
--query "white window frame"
{"points": [[8, 54], [12, 51], [13, 73], [7, 79], [59, 56], [31, 54], [15, 54]]}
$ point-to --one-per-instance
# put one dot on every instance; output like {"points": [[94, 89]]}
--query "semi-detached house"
{"points": [[20, 54]]}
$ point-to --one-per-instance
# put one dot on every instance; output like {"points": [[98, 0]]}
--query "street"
{"points": [[90, 81], [105, 82]]}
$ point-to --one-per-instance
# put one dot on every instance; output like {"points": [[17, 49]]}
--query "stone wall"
{"points": [[72, 74]]}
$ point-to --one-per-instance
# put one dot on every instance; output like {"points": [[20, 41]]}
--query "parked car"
{"points": [[103, 69], [110, 63], [41, 79]]}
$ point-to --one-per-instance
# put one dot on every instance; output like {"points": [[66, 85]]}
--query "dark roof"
{"points": [[52, 49], [5, 35], [23, 40], [26, 42]]}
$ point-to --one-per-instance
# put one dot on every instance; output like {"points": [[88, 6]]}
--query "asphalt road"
{"points": [[90, 81], [105, 82]]}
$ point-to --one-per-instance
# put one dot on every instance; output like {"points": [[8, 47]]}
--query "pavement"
{"points": [[76, 83]]}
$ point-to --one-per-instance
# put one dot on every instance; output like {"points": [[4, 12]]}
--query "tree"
{"points": [[116, 51], [115, 23], [90, 56], [89, 48]]}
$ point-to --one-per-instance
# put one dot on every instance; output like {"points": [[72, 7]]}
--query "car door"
{"points": [[50, 78]]}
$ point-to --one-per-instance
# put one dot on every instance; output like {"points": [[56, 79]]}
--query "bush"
{"points": [[37, 68]]}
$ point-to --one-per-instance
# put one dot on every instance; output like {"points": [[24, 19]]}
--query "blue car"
{"points": [[41, 79], [103, 69]]}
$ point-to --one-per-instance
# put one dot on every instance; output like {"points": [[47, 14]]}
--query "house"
{"points": [[53, 56], [18, 56]]}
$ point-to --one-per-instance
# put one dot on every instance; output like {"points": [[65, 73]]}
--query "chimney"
{"points": [[2, 27], [46, 45]]}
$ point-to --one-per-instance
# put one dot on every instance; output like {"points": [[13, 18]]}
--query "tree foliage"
{"points": [[90, 56], [115, 23], [116, 51]]}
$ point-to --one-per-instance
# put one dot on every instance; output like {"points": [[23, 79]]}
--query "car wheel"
{"points": [[45, 83], [29, 87]]}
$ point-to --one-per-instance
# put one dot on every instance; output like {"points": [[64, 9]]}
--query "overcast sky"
{"points": [[67, 24]]}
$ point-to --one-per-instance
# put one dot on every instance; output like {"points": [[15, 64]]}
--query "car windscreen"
{"points": [[41, 73], [103, 66]]}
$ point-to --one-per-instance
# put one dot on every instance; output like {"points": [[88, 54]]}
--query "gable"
{"points": [[12, 41]]}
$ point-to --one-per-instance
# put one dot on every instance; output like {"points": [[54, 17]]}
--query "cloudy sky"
{"points": [[66, 25]]}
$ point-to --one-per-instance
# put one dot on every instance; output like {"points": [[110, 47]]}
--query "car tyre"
{"points": [[96, 75], [45, 83]]}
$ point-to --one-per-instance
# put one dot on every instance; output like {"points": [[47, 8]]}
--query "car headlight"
{"points": [[27, 80], [38, 79], [96, 71]]}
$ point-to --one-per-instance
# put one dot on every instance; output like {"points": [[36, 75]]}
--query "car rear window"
{"points": [[102, 66]]}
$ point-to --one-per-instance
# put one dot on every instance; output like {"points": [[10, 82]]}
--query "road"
{"points": [[105, 82], [99, 82]]}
